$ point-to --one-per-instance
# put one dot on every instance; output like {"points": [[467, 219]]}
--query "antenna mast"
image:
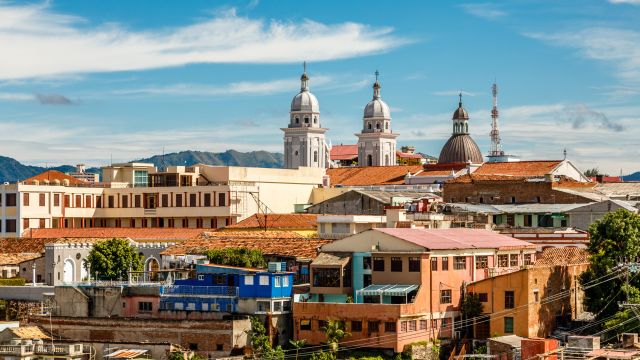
{"points": [[496, 147]]}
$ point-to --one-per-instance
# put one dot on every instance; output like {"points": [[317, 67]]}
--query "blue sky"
{"points": [[84, 81]]}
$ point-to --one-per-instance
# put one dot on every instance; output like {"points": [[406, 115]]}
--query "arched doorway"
{"points": [[369, 160], [68, 275], [151, 269]]}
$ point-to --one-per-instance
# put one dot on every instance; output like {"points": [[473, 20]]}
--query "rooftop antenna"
{"points": [[496, 146], [564, 152], [304, 66]]}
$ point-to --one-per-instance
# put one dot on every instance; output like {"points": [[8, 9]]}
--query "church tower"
{"points": [[376, 142], [304, 143]]}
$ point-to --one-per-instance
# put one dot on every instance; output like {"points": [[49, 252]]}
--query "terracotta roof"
{"points": [[16, 259], [51, 176], [371, 175], [441, 169], [279, 243], [608, 179], [518, 168], [131, 233], [22, 245], [473, 178], [28, 333], [403, 155], [277, 221], [344, 152], [458, 238], [562, 256]]}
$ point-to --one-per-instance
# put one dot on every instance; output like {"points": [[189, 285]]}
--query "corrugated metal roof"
{"points": [[458, 238]]}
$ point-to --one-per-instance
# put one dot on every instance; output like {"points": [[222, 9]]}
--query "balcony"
{"points": [[23, 350], [189, 290]]}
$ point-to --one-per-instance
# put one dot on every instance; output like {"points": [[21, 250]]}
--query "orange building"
{"points": [[392, 287], [520, 302]]}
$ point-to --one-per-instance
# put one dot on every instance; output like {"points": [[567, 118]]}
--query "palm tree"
{"points": [[298, 344], [334, 332]]}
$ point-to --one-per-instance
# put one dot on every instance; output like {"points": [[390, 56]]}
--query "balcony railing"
{"points": [[48, 349], [199, 290]]}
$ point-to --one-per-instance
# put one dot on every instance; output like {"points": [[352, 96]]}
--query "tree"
{"points": [[471, 307], [298, 344], [334, 332], [112, 259], [613, 239], [241, 257], [260, 343], [593, 172]]}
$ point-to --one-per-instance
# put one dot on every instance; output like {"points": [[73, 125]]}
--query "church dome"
{"points": [[460, 148], [377, 108], [305, 101]]}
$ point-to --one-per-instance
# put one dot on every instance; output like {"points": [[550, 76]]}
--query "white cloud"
{"points": [[36, 41], [632, 2], [484, 10], [452, 93], [7, 96], [616, 46]]}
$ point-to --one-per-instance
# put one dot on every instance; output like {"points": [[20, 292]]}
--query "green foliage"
{"points": [[179, 355], [334, 332], [297, 344], [12, 282], [593, 172], [241, 257], [471, 306], [260, 343], [613, 239], [321, 355], [112, 259]]}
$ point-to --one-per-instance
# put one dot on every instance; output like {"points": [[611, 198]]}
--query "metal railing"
{"points": [[199, 290]]}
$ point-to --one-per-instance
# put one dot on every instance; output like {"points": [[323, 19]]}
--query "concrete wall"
{"points": [[501, 192], [350, 203]]}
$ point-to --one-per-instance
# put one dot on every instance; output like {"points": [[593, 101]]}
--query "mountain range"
{"points": [[12, 170]]}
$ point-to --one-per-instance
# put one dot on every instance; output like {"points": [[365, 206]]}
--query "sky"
{"points": [[92, 81]]}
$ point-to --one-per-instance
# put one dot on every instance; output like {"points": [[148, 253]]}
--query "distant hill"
{"points": [[12, 170], [632, 177], [230, 157]]}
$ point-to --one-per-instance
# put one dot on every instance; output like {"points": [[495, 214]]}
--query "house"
{"points": [[11, 264], [340, 226], [367, 202], [522, 302], [394, 286], [31, 343]]}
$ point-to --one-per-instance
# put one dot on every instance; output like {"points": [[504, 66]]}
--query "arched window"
{"points": [[455, 128], [386, 126], [369, 126], [369, 160], [297, 120], [378, 126], [466, 128], [68, 271], [315, 119], [306, 119], [315, 156]]}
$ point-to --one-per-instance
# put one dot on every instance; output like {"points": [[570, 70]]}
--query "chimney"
{"points": [[599, 178]]}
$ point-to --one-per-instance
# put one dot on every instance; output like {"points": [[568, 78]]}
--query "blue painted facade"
{"points": [[219, 288]]}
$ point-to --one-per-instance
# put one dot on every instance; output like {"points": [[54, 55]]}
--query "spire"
{"points": [[376, 86], [304, 79]]}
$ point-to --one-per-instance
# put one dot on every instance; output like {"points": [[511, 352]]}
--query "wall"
{"points": [[350, 203], [501, 191], [583, 217]]}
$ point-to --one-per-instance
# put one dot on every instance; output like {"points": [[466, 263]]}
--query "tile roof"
{"points": [[608, 179], [441, 169], [17, 258], [562, 256], [344, 152], [278, 221], [371, 175], [131, 233], [28, 333], [404, 155], [458, 238], [51, 176], [278, 243], [474, 178], [518, 168], [22, 245]]}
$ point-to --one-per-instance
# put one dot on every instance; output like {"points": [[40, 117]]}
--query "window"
{"points": [[396, 264], [356, 326], [11, 199], [145, 306], [459, 262], [527, 259], [414, 264], [390, 326], [56, 200], [277, 306], [222, 199], [373, 326], [185, 223], [366, 263], [138, 200], [513, 199], [219, 347], [503, 260], [87, 201], [193, 346], [207, 199], [444, 323], [25, 224], [276, 281], [326, 277], [315, 156], [305, 324], [508, 325], [369, 126], [140, 178], [483, 297], [378, 264], [248, 279], [298, 122], [322, 324], [445, 263], [509, 299], [306, 120], [41, 223], [482, 262], [41, 199], [193, 200], [286, 306], [285, 281], [528, 220], [111, 202], [423, 324], [125, 201], [434, 264], [403, 326], [78, 201], [25, 199], [536, 296], [513, 260], [98, 201], [178, 200], [264, 306], [445, 296], [412, 325], [264, 280]]}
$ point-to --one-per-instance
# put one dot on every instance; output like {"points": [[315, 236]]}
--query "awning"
{"points": [[126, 354], [387, 290]]}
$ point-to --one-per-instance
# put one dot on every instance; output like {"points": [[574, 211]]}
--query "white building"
{"points": [[376, 142], [304, 142]]}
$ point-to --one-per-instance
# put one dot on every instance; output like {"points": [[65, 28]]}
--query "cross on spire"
{"points": [[304, 65], [460, 101], [377, 74]]}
